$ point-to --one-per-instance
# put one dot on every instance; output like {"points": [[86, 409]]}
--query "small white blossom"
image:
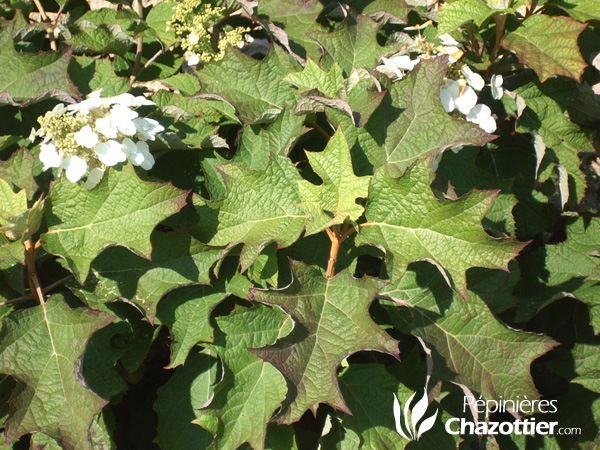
{"points": [[133, 102], [451, 47], [110, 153], [75, 168], [466, 100], [147, 128], [448, 92], [194, 59], [107, 127], [86, 137], [482, 116], [496, 85], [50, 156], [473, 79], [93, 178], [123, 117], [397, 66], [138, 153]]}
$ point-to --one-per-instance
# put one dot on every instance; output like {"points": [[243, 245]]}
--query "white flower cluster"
{"points": [[460, 94], [95, 134]]}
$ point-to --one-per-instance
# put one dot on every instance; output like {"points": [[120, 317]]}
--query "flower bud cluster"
{"points": [[97, 133], [193, 22], [459, 91]]}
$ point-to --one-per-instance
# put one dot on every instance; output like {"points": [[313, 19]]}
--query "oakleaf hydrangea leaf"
{"points": [[564, 139], [18, 170], [297, 18], [251, 389], [121, 210], [186, 312], [259, 208], [313, 77], [177, 259], [567, 269], [179, 399], [331, 321], [32, 77], [12, 204], [582, 10], [261, 89], [353, 43], [536, 44], [409, 223], [454, 14], [334, 201], [469, 344], [40, 347]]}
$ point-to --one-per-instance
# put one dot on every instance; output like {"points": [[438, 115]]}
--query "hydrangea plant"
{"points": [[270, 224]]}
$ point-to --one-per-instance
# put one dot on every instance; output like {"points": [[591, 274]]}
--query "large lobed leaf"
{"points": [[254, 87], [470, 346], [259, 208], [177, 259], [251, 389], [548, 44], [40, 347], [331, 321], [409, 223], [121, 210], [334, 201]]}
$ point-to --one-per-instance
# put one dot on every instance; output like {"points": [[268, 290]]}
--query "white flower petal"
{"points": [[50, 156], [107, 128], [448, 40], [489, 125], [496, 85], [474, 79], [448, 93], [93, 178], [75, 167], [479, 114], [147, 128], [193, 60], [466, 100], [110, 153], [86, 137], [193, 38]]}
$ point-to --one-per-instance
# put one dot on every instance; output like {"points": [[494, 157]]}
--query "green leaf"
{"points": [[568, 269], [582, 10], [331, 321], [313, 77], [334, 201], [369, 390], [353, 44], [28, 78], [251, 389], [257, 142], [121, 210], [564, 140], [179, 399], [260, 90], [297, 18], [26, 222], [186, 83], [395, 11], [456, 13], [469, 344], [12, 204], [409, 223], [91, 74], [186, 312], [536, 45], [410, 124], [158, 17], [18, 170], [259, 208], [464, 174], [40, 348], [177, 259]]}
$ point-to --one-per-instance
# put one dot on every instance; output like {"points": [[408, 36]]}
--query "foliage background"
{"points": [[192, 306]]}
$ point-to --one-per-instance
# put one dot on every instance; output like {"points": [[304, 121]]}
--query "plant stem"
{"points": [[139, 9], [500, 27], [336, 236], [531, 8], [31, 296], [34, 284]]}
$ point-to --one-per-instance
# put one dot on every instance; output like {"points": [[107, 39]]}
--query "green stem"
{"points": [[500, 28]]}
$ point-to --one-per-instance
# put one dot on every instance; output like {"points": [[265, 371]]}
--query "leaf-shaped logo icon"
{"points": [[416, 415]]}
